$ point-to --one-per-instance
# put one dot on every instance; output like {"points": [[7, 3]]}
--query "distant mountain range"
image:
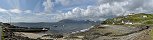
{"points": [[64, 21], [76, 21]]}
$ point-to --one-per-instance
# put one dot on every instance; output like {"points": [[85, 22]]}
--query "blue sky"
{"points": [[56, 10]]}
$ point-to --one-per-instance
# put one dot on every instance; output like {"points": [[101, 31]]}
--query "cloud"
{"points": [[18, 11], [2, 10], [107, 9], [56, 10], [16, 14], [27, 11], [93, 12], [15, 11], [48, 4]]}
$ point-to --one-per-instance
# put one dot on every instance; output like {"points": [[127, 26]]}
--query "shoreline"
{"points": [[83, 30], [93, 32], [39, 35], [29, 35], [10, 34]]}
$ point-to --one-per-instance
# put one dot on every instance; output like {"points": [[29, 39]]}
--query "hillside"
{"points": [[120, 28], [140, 18]]}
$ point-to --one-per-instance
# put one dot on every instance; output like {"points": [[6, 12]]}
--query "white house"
{"points": [[127, 22], [131, 14], [144, 16]]}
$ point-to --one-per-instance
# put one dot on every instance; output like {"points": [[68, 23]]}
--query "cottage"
{"points": [[131, 14], [127, 22], [144, 16]]}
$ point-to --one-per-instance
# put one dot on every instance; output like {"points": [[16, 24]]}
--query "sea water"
{"points": [[59, 27]]}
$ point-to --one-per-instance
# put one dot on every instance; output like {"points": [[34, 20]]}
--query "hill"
{"points": [[139, 18], [130, 27]]}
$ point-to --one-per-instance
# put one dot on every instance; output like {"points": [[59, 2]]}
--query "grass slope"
{"points": [[140, 18]]}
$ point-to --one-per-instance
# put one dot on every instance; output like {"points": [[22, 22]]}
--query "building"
{"points": [[144, 16], [131, 14], [126, 22]]}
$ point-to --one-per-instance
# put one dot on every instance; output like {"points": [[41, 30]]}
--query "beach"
{"points": [[29, 35]]}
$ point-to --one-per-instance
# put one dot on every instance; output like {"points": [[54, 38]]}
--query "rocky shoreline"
{"points": [[15, 35], [93, 33], [105, 32]]}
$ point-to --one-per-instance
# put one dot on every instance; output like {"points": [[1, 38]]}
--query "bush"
{"points": [[149, 22]]}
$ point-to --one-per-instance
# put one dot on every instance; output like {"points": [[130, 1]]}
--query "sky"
{"points": [[56, 10]]}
